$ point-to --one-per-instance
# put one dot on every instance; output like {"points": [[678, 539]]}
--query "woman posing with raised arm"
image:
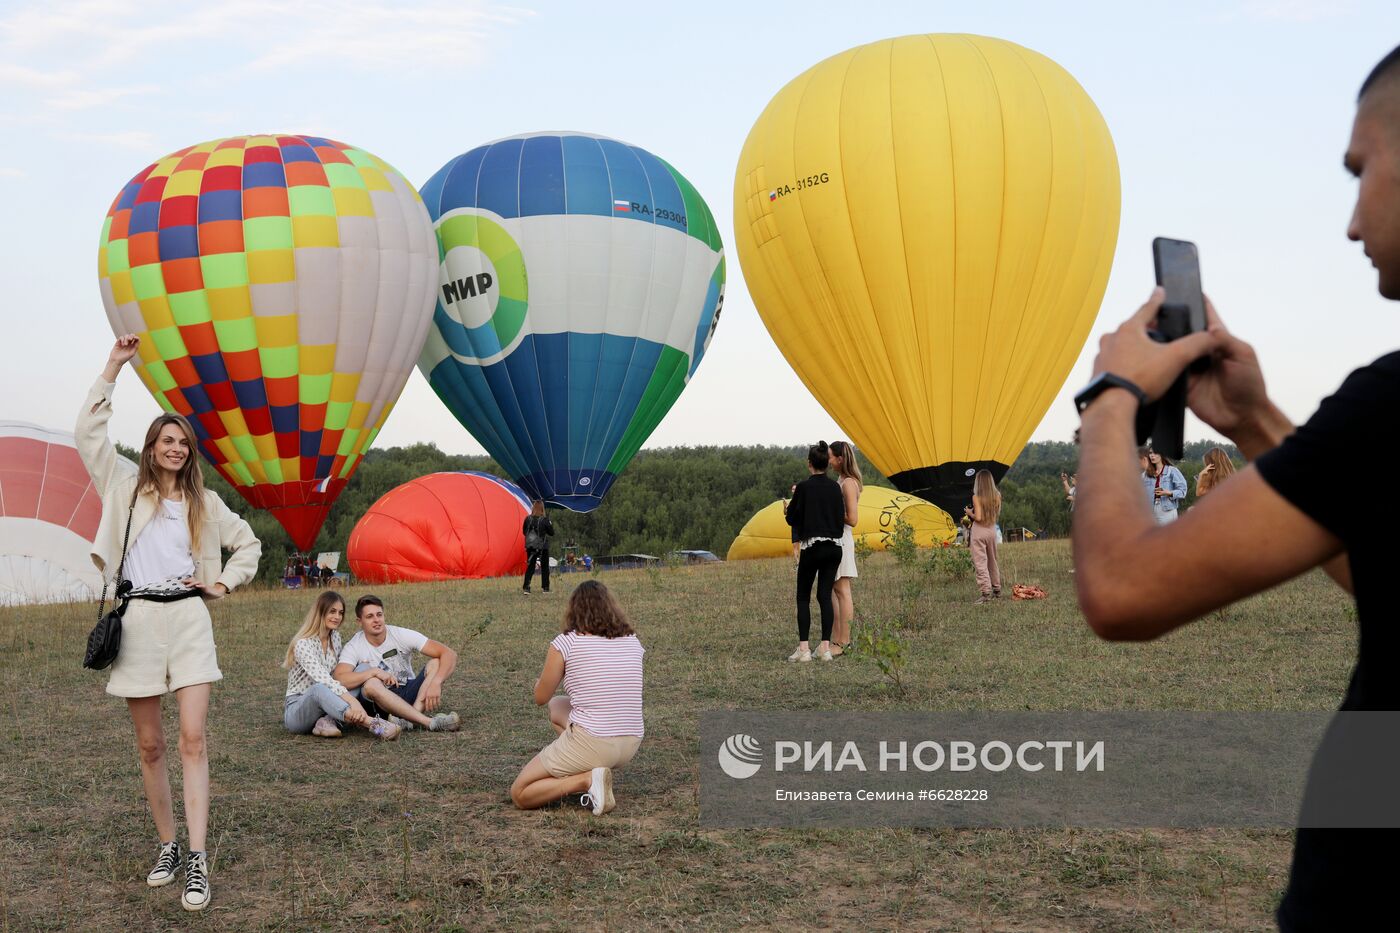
{"points": [[843, 461], [162, 532], [316, 702]]}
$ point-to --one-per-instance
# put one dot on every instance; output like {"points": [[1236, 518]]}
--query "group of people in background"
{"points": [[1166, 486], [165, 533]]}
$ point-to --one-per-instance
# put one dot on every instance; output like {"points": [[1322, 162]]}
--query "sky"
{"points": [[1229, 118]]}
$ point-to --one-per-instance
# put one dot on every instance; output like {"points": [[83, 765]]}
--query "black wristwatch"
{"points": [[1102, 382]]}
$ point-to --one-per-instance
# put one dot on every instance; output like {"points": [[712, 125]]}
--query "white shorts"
{"points": [[165, 646]]}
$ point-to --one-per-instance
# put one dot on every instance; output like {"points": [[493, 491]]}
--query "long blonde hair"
{"points": [[314, 625], [1224, 467], [850, 469], [190, 480], [984, 490]]}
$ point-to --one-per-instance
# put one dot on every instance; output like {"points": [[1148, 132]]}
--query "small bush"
{"points": [[882, 643], [951, 562], [902, 545]]}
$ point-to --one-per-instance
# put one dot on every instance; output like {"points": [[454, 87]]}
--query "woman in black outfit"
{"points": [[817, 514], [537, 530]]}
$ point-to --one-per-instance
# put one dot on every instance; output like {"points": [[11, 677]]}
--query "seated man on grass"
{"points": [[377, 666]]}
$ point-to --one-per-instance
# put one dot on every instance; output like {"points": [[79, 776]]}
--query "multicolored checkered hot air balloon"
{"points": [[282, 287], [580, 283]]}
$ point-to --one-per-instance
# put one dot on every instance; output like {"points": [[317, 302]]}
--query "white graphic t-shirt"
{"points": [[394, 654]]}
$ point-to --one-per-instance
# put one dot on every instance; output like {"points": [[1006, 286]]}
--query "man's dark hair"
{"points": [[367, 600], [1388, 67]]}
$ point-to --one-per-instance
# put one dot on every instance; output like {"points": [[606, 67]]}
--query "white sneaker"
{"points": [[801, 654], [445, 722], [383, 730], [403, 724], [824, 655], [196, 896], [167, 864], [600, 793], [326, 728]]}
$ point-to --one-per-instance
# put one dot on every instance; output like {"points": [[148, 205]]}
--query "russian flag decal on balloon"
{"points": [[569, 318]]}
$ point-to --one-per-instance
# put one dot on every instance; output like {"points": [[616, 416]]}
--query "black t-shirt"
{"points": [[1343, 879]]}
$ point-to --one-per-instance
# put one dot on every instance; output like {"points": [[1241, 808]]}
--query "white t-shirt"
{"points": [[162, 550], [394, 654]]}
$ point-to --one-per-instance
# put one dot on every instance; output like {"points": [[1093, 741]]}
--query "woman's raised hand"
{"points": [[122, 351]]}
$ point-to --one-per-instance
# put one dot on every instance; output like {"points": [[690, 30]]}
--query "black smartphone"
{"points": [[1178, 267]]}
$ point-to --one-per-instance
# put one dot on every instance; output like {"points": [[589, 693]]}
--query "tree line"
{"points": [[671, 498]]}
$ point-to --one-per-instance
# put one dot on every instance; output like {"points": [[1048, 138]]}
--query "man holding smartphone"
{"points": [[1340, 879]]}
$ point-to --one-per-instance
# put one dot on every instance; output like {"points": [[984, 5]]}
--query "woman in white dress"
{"points": [[843, 461]]}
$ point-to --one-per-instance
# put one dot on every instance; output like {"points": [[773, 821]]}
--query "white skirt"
{"points": [[848, 556]]}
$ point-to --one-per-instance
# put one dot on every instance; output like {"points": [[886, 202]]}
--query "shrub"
{"points": [[882, 643]]}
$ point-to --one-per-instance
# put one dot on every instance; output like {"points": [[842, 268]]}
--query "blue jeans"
{"points": [[300, 713]]}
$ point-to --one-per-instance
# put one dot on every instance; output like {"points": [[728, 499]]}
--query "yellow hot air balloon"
{"points": [[926, 226], [768, 534]]}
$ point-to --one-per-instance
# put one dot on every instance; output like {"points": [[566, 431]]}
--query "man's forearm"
{"points": [[353, 679], [1265, 433], [1110, 511]]}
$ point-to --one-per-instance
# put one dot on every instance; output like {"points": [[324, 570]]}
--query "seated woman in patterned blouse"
{"points": [[316, 702]]}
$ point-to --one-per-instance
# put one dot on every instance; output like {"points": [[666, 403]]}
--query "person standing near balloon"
{"points": [[164, 531], [818, 514], [1168, 487], [986, 506], [538, 528], [843, 461], [1218, 468]]}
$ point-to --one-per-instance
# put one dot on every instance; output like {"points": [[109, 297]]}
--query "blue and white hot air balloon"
{"points": [[580, 283]]}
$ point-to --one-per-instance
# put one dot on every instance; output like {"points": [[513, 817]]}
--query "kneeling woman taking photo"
{"points": [[160, 535], [316, 702], [599, 661]]}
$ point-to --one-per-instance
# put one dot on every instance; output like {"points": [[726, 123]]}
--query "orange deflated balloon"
{"points": [[926, 225]]}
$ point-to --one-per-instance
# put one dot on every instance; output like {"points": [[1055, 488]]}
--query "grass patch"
{"points": [[311, 834]]}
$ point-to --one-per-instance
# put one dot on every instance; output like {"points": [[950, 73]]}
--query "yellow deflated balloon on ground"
{"points": [[768, 534], [926, 225]]}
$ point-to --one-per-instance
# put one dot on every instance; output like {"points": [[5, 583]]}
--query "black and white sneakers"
{"points": [[196, 895], [167, 864]]}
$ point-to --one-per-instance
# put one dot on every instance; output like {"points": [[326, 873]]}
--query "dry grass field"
{"points": [[350, 834]]}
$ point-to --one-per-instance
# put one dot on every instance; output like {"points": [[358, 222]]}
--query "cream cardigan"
{"points": [[222, 527]]}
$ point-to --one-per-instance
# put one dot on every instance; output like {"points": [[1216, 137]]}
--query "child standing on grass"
{"points": [[598, 659], [986, 506]]}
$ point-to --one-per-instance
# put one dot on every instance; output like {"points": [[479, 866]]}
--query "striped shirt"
{"points": [[603, 678]]}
